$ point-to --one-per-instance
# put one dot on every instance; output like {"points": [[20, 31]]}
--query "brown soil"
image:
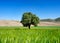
{"points": [[10, 23], [17, 23], [49, 24]]}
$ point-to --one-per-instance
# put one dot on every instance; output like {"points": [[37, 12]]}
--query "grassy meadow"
{"points": [[40, 34]]}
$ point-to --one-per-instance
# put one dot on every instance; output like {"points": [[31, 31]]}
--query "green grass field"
{"points": [[42, 34]]}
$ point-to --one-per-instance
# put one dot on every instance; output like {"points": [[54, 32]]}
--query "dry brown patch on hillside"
{"points": [[17, 23]]}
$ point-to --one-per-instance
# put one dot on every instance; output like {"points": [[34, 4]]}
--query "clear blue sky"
{"points": [[13, 9]]}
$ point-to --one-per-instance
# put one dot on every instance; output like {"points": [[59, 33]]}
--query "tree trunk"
{"points": [[29, 26]]}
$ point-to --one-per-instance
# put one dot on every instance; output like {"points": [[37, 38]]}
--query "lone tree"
{"points": [[29, 19]]}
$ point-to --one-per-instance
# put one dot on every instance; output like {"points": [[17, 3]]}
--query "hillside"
{"points": [[17, 23]]}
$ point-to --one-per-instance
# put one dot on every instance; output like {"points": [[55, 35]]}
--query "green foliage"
{"points": [[42, 34], [26, 18], [29, 18], [35, 20]]}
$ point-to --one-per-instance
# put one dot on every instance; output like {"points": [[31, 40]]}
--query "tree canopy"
{"points": [[29, 19]]}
